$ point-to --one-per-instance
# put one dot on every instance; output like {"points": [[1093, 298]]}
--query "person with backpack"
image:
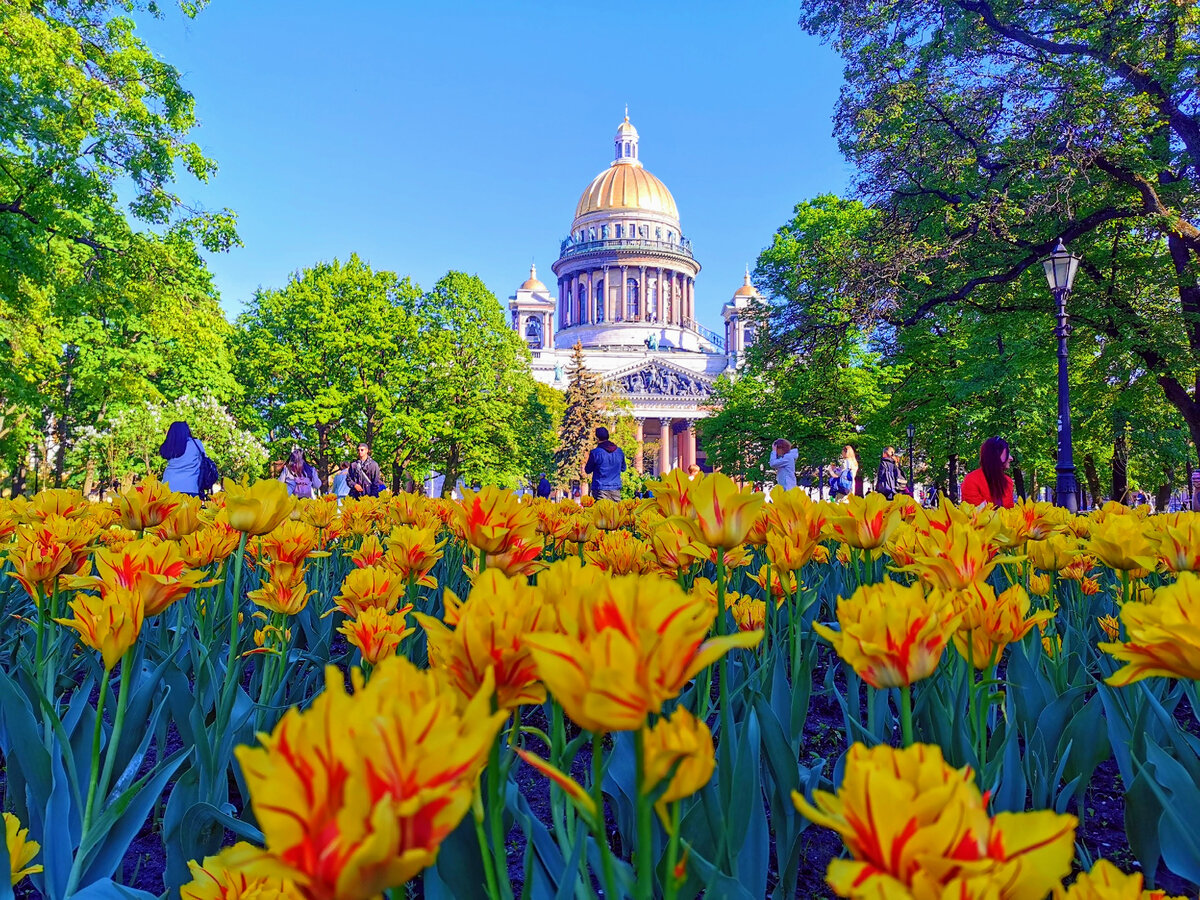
{"points": [[364, 477], [888, 478], [301, 478], [189, 470], [844, 474], [543, 487], [605, 464]]}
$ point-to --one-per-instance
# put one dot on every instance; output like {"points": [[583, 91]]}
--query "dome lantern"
{"points": [[626, 142], [532, 283]]}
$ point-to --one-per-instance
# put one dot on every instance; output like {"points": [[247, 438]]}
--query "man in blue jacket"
{"points": [[605, 464]]}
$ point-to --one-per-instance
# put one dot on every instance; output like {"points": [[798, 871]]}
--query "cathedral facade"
{"points": [[626, 293]]}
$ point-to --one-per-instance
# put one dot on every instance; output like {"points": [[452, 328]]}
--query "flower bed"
{"points": [[678, 697]]}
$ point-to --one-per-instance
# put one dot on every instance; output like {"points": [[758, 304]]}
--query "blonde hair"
{"points": [[848, 453]]}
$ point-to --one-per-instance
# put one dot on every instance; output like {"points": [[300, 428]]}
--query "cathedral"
{"points": [[626, 293]]}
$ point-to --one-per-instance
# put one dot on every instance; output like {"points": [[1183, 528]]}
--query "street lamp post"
{"points": [[912, 484], [1061, 267]]}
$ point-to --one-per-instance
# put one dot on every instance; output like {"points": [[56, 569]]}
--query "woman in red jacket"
{"points": [[989, 483]]}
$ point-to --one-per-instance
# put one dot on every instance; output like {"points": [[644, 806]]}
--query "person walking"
{"points": [[783, 461], [363, 477], [1195, 504], [301, 478], [543, 487], [889, 476], [844, 474], [990, 482], [183, 454], [605, 464]]}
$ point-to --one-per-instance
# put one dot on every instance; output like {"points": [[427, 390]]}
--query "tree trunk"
{"points": [[1093, 477], [953, 466], [451, 473], [323, 462], [1019, 481], [20, 473], [1120, 463], [89, 478]]}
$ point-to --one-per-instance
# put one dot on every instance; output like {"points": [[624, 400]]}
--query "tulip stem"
{"points": [[725, 713], [601, 827], [231, 667], [489, 865], [497, 781], [94, 773], [906, 727], [110, 752], [644, 884], [674, 877]]}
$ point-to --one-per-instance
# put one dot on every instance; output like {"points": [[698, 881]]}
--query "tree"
{"points": [[96, 315], [982, 132], [330, 360], [585, 405], [477, 386], [538, 431]]}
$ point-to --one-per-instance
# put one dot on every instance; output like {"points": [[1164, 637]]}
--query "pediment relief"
{"points": [[659, 380]]}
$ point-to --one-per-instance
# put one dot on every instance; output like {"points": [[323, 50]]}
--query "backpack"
{"points": [[302, 485], [209, 476]]}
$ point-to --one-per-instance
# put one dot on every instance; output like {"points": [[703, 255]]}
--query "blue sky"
{"points": [[436, 136]]}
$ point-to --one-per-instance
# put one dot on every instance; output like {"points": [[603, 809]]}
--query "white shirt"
{"points": [[785, 468]]}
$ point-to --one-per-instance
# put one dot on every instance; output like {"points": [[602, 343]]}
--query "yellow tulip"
{"points": [[490, 635], [291, 542], [953, 560], [997, 622], [258, 508], [1039, 585], [37, 558], [620, 553], [491, 518], [794, 513], [319, 512], [286, 595], [723, 513], [21, 850], [375, 586], [146, 504], [369, 553], [791, 551], [1178, 540], [109, 622], [865, 523], [609, 515], [1106, 882], [225, 877], [890, 634], [65, 502], [1162, 636], [377, 633], [413, 552], [183, 521], [917, 828], [781, 587], [678, 740], [209, 545], [748, 613], [629, 644], [672, 494], [355, 794], [1112, 628], [157, 571], [1121, 542], [674, 546]]}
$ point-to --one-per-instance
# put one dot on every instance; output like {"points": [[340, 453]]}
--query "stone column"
{"points": [[691, 299], [638, 464], [591, 300], [664, 447], [621, 293], [689, 442], [643, 296], [658, 289], [605, 299], [562, 303]]}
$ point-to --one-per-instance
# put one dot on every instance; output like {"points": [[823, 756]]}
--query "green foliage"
{"points": [[982, 132], [97, 317], [585, 405], [431, 381]]}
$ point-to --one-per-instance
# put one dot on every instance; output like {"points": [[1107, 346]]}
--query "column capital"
{"points": [[665, 422]]}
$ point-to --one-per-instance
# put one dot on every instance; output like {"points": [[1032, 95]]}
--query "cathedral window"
{"points": [[568, 311], [600, 300], [533, 333], [604, 232], [618, 228], [631, 300], [658, 234]]}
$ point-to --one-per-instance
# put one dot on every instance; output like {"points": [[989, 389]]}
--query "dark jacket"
{"points": [[363, 478], [887, 479], [605, 464], [543, 488]]}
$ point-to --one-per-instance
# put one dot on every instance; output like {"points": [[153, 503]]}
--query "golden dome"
{"points": [[627, 186], [532, 283], [747, 289]]}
